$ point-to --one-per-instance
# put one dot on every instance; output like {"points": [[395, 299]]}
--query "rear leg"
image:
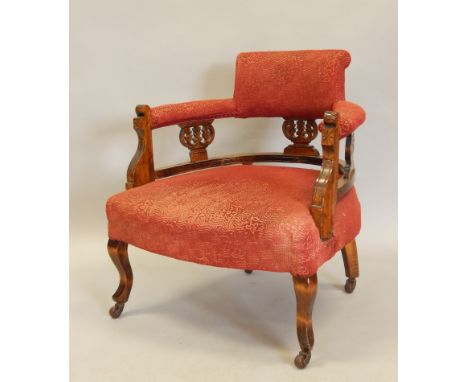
{"points": [[351, 263]]}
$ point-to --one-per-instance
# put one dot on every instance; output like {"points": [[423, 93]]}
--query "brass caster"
{"points": [[350, 285], [302, 359], [248, 271], [116, 310]]}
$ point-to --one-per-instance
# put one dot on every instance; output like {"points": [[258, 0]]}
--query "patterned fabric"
{"points": [[351, 117], [295, 84], [246, 217], [166, 115]]}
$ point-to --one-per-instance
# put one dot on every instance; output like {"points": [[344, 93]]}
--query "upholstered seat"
{"points": [[247, 217]]}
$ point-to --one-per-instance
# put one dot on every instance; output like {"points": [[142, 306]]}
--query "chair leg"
{"points": [[119, 255], [350, 259], [305, 289]]}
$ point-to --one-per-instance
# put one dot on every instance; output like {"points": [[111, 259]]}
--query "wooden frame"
{"points": [[141, 168], [336, 178], [325, 192], [300, 132]]}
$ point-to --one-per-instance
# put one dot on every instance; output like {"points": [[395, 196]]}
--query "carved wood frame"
{"points": [[141, 168], [336, 177], [300, 132]]}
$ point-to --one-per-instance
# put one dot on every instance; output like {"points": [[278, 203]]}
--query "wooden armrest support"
{"points": [[141, 168], [325, 190]]}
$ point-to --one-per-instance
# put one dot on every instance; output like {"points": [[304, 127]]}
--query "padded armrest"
{"points": [[173, 114], [351, 117], [351, 114]]}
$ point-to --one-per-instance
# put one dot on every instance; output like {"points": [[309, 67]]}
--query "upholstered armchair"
{"points": [[229, 212]]}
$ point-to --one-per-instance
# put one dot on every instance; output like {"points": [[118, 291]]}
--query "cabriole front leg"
{"points": [[119, 256], [306, 290]]}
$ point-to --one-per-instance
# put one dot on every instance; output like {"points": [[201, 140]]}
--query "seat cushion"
{"points": [[244, 216]]}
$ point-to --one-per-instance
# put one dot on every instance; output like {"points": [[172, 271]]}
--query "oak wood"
{"points": [[141, 168], [351, 264], [325, 192], [305, 289], [118, 252]]}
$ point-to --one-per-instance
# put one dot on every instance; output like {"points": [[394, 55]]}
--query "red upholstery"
{"points": [[192, 111], [351, 117], [297, 84], [246, 217], [301, 84]]}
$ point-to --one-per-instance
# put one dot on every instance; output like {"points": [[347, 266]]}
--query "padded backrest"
{"points": [[301, 84]]}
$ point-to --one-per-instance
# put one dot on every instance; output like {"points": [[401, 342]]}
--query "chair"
{"points": [[228, 212]]}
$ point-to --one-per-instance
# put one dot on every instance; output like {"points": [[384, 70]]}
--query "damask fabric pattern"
{"points": [[292, 84], [351, 117], [246, 217], [295, 84], [172, 114]]}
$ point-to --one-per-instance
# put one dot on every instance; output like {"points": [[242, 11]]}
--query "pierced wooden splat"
{"points": [[196, 136], [300, 132]]}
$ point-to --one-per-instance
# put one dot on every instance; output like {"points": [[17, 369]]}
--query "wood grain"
{"points": [[300, 132], [305, 289], [141, 168], [118, 252], [351, 263], [325, 192], [344, 185], [197, 136]]}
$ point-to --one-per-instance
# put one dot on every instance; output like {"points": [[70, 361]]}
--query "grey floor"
{"points": [[186, 322]]}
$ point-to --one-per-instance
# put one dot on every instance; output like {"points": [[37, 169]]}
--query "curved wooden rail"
{"points": [[344, 183]]}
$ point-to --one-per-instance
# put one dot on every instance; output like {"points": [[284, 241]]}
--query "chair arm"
{"points": [[325, 191], [351, 117], [175, 114], [141, 168]]}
